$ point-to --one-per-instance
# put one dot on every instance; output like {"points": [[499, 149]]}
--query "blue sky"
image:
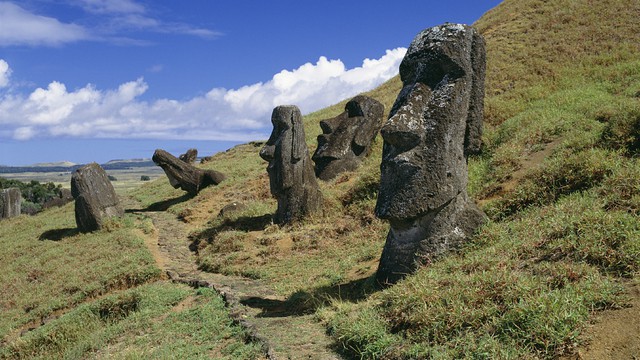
{"points": [[95, 80]]}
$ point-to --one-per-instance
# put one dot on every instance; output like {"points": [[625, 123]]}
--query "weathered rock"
{"points": [[346, 139], [190, 156], [232, 208], [434, 124], [292, 180], [96, 200], [186, 176], [10, 203]]}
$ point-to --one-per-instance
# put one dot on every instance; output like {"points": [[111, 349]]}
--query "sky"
{"points": [[97, 80]]}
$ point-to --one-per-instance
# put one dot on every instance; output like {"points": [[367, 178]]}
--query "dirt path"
{"points": [[284, 333], [614, 334]]}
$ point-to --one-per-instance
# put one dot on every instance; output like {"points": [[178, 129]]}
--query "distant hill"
{"points": [[66, 166]]}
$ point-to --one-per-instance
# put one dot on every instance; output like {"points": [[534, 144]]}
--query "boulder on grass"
{"points": [[95, 199]]}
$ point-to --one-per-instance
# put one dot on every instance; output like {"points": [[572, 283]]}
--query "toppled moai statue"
{"points": [[292, 180], [190, 156], [346, 139], [186, 176], [434, 124], [96, 200], [10, 203]]}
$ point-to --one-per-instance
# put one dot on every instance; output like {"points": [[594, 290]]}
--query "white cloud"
{"points": [[238, 114], [20, 27], [5, 72]]}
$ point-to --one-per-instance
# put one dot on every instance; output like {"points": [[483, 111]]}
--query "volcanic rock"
{"points": [[291, 176], [95, 199], [346, 139], [10, 203], [434, 124], [186, 176]]}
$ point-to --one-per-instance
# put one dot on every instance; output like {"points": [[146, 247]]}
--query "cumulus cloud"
{"points": [[20, 27], [221, 114], [5, 72]]}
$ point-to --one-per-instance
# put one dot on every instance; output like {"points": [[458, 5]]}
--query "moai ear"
{"points": [[473, 134], [298, 145]]}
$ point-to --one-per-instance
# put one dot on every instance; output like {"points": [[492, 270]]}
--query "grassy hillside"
{"points": [[559, 177]]}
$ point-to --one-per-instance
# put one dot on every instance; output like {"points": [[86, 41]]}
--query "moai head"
{"points": [[346, 139], [285, 148], [291, 176], [434, 124]]}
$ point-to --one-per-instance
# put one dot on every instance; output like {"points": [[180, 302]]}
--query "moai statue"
{"points": [[96, 200], [10, 203], [292, 180], [434, 124], [346, 139], [190, 156], [185, 176]]}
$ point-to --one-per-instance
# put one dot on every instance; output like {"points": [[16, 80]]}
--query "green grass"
{"points": [[564, 233], [155, 321], [559, 176], [66, 294], [47, 266]]}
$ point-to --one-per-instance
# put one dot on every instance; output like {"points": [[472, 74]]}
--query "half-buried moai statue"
{"points": [[190, 156], [434, 124], [10, 203], [346, 139], [95, 199], [292, 180], [185, 176]]}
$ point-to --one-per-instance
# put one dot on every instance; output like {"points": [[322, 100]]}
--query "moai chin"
{"points": [[435, 123], [346, 139], [291, 177]]}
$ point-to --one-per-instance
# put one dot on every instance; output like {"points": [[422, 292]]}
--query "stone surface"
{"points": [[186, 176], [10, 203], [232, 208], [346, 139], [291, 176], [190, 156], [435, 123], [95, 199]]}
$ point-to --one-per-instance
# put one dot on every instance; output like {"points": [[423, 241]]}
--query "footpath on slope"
{"points": [[285, 334]]}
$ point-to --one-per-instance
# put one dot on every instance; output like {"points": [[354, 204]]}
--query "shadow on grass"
{"points": [[58, 234], [307, 302], [163, 205], [243, 223]]}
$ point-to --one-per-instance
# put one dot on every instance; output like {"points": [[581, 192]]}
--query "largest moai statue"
{"points": [[185, 176], [434, 124], [10, 203], [291, 177], [346, 139], [95, 199]]}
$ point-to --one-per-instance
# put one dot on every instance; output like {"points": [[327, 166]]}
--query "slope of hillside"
{"points": [[559, 177]]}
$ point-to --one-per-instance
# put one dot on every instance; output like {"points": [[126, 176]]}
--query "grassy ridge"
{"points": [[559, 176], [64, 294]]}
